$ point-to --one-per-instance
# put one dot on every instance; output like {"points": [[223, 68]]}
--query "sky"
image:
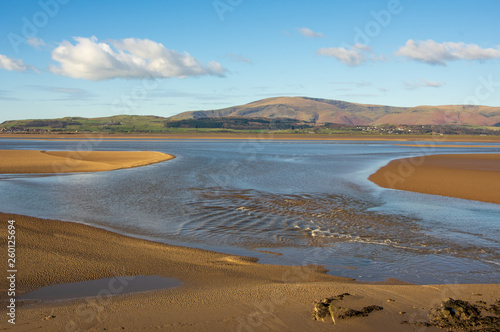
{"points": [[96, 58]]}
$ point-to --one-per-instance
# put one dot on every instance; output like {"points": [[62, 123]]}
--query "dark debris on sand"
{"points": [[462, 315], [328, 308], [458, 315]]}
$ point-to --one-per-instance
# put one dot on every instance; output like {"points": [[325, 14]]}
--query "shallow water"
{"points": [[100, 288], [309, 201]]}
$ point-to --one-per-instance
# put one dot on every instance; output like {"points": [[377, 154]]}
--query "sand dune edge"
{"points": [[36, 161], [467, 176]]}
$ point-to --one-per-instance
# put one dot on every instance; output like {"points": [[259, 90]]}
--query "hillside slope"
{"points": [[322, 111], [298, 111]]}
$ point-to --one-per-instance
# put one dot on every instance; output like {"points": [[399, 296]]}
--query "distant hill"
{"points": [[119, 123], [280, 113], [321, 111]]}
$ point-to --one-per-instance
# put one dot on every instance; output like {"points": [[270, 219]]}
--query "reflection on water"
{"points": [[344, 232], [310, 201], [250, 218], [101, 287]]}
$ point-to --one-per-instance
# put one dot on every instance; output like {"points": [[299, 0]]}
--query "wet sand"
{"points": [[31, 161], [449, 146], [220, 292], [468, 176]]}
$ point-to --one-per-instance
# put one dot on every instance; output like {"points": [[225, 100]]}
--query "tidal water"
{"points": [[106, 287], [309, 202]]}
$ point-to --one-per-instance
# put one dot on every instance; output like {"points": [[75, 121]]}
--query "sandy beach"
{"points": [[468, 176], [220, 292], [31, 161], [449, 146]]}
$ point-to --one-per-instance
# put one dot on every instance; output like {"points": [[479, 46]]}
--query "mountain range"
{"points": [[298, 112], [320, 111]]}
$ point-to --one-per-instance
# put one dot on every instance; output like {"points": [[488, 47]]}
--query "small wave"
{"points": [[242, 216]]}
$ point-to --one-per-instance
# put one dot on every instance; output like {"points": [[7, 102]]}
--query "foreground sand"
{"points": [[468, 176], [220, 292], [31, 161]]}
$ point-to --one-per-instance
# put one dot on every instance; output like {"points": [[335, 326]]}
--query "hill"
{"points": [[321, 111], [281, 113], [119, 123]]}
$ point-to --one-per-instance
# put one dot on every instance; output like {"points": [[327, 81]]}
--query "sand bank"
{"points": [[30, 161], [469, 176], [220, 292], [449, 146]]}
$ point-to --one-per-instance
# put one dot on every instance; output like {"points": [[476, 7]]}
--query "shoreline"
{"points": [[253, 136], [54, 162], [219, 291], [466, 176]]}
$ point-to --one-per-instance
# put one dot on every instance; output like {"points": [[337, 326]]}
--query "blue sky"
{"points": [[100, 58]]}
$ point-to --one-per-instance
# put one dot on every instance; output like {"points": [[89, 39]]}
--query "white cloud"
{"points": [[353, 56], [129, 58], [14, 64], [422, 84], [432, 84], [306, 32], [238, 58], [431, 52], [36, 43]]}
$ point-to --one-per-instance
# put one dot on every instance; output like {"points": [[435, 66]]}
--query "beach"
{"points": [[220, 292], [470, 176], [32, 161]]}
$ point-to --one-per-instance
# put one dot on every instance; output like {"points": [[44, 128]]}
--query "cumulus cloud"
{"points": [[431, 52], [14, 64], [306, 32], [422, 84], [353, 56], [129, 58]]}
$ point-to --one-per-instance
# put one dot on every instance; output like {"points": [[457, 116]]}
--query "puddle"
{"points": [[101, 287]]}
